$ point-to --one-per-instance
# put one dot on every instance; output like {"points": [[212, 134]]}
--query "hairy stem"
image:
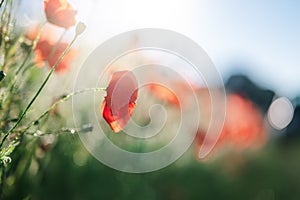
{"points": [[61, 100], [38, 92]]}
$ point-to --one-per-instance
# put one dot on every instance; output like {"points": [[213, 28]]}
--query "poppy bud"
{"points": [[80, 28]]}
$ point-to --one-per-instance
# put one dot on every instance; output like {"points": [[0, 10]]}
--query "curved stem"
{"points": [[38, 92], [63, 99]]}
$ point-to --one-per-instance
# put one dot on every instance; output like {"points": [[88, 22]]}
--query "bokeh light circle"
{"points": [[280, 113]]}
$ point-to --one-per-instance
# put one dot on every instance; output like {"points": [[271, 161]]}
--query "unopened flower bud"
{"points": [[80, 28]]}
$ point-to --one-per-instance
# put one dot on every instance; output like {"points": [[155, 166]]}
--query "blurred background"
{"points": [[255, 46]]}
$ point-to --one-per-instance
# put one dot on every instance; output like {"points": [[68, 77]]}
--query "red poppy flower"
{"points": [[49, 52], [60, 13], [119, 103]]}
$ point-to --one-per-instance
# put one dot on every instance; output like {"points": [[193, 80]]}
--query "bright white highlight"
{"points": [[280, 113]]}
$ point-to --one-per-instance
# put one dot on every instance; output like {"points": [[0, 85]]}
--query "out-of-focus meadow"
{"points": [[255, 47]]}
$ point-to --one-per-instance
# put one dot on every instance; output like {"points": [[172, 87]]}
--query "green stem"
{"points": [[4, 11], [32, 49], [12, 83], [2, 177], [63, 99], [38, 92], [2, 1]]}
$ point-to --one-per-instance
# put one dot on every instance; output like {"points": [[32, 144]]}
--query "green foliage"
{"points": [[23, 133], [62, 174], [5, 153]]}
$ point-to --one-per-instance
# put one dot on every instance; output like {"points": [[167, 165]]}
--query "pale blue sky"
{"points": [[259, 37]]}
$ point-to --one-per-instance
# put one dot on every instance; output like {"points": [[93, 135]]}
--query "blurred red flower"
{"points": [[32, 32], [164, 94], [243, 126], [49, 52], [119, 103], [177, 92], [60, 13]]}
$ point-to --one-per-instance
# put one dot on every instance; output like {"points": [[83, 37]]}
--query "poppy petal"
{"points": [[60, 13], [118, 106]]}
